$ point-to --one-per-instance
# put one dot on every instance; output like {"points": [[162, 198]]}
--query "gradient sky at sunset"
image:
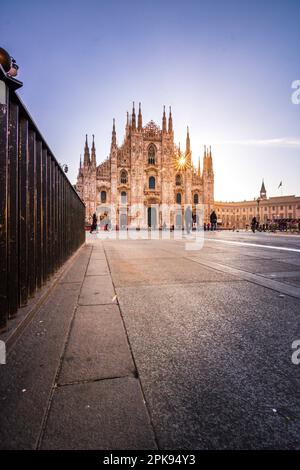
{"points": [[226, 67]]}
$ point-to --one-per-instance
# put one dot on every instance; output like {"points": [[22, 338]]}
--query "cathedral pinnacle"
{"points": [[93, 157], [140, 120], [164, 121], [86, 159], [133, 119], [170, 128], [113, 134], [188, 142]]}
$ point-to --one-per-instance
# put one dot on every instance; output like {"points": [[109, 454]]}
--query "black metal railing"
{"points": [[41, 214]]}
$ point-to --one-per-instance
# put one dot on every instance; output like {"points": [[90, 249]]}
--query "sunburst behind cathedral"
{"points": [[148, 169]]}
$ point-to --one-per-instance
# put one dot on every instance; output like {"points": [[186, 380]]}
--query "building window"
{"points": [[151, 182], [196, 199], [123, 177], [281, 208], [266, 208], [123, 197], [290, 207], [178, 180], [103, 197], [151, 155], [178, 198]]}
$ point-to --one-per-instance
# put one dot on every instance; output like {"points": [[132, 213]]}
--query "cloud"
{"points": [[293, 142]]}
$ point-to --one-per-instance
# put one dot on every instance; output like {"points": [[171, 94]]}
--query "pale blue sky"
{"points": [[226, 67]]}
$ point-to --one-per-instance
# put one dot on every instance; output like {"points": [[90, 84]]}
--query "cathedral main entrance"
{"points": [[152, 217]]}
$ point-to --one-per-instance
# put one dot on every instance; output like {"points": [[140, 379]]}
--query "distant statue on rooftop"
{"points": [[8, 63]]}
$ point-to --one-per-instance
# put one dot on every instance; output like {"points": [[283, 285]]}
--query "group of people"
{"points": [[212, 225], [104, 223]]}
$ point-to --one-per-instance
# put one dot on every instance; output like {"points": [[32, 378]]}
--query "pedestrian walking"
{"points": [[253, 224], [94, 223]]}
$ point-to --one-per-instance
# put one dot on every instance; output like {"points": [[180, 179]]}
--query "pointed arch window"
{"points": [[151, 182], [151, 155], [178, 180], [123, 197], [196, 198], [178, 198], [123, 177], [103, 197]]}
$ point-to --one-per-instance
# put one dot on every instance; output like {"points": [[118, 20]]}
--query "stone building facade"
{"points": [[144, 174], [266, 210]]}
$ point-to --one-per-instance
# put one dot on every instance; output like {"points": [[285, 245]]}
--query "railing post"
{"points": [[44, 213], [23, 212], [4, 96], [32, 213], [39, 226]]}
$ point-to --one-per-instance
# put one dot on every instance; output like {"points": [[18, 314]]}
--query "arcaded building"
{"points": [[144, 175], [267, 210]]}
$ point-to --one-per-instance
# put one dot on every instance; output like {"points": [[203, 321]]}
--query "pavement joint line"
{"points": [[257, 245], [69, 282], [262, 281], [59, 367], [95, 305], [132, 355], [181, 283], [89, 381], [19, 329], [282, 274], [92, 275]]}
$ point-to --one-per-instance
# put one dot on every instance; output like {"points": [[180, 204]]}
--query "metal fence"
{"points": [[41, 215]]}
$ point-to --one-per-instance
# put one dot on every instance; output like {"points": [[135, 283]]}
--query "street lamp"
{"points": [[64, 167]]}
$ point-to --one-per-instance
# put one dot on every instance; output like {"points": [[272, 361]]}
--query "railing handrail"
{"points": [[41, 213], [13, 85]]}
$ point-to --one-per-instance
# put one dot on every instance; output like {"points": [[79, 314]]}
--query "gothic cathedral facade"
{"points": [[148, 171]]}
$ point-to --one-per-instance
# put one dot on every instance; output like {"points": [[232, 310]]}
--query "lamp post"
{"points": [[64, 167], [258, 201]]}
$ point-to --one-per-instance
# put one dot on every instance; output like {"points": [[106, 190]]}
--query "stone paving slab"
{"points": [[27, 378], [259, 266], [97, 290], [97, 347], [77, 270], [97, 267], [215, 363], [164, 271], [108, 414]]}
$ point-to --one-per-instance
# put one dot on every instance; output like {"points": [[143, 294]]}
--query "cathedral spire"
{"points": [[133, 119], [210, 160], [113, 134], [164, 121], [204, 160], [93, 156], [127, 128], [80, 167], [170, 128], [199, 169], [140, 119], [188, 142], [86, 159]]}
